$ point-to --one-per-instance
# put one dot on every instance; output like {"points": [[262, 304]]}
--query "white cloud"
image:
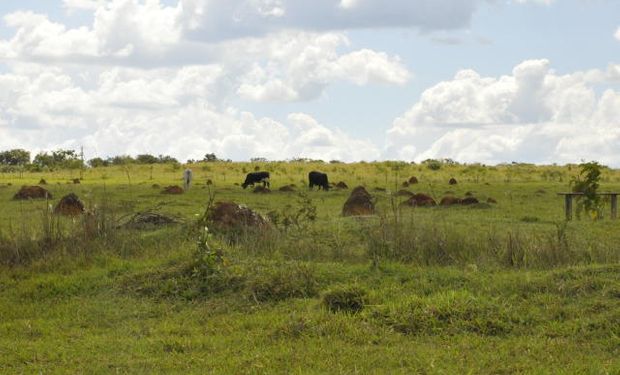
{"points": [[617, 34], [82, 4], [299, 66], [123, 110], [532, 115]]}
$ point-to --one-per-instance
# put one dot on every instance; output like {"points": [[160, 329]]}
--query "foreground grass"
{"points": [[437, 320], [507, 288]]}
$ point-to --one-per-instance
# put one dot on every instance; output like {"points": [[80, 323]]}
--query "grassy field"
{"points": [[491, 288]]}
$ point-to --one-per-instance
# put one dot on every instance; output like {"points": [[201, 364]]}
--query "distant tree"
{"points": [[147, 159], [432, 164], [121, 160], [98, 162], [210, 158], [15, 157], [167, 159], [258, 160], [58, 159]]}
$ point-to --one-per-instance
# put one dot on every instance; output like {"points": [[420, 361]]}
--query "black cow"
{"points": [[318, 179], [256, 177]]}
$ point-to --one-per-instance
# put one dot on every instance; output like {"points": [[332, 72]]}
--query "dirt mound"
{"points": [[69, 205], [404, 193], [469, 194], [42, 182], [405, 184], [360, 203], [149, 220], [32, 192], [380, 189], [469, 200], [413, 180], [209, 182], [174, 189], [450, 201], [491, 200], [156, 186], [287, 188], [452, 181], [230, 215], [76, 181], [341, 185], [261, 190], [419, 200]]}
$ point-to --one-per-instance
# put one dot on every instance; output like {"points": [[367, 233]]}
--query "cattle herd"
{"points": [[315, 178]]}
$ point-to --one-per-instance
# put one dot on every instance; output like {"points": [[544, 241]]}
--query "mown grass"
{"points": [[439, 290]]}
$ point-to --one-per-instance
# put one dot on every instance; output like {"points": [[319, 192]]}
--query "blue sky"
{"points": [[346, 79]]}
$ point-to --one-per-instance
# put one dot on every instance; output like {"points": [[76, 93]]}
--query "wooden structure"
{"points": [[568, 203]]}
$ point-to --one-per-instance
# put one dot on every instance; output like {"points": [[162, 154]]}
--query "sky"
{"points": [[488, 81]]}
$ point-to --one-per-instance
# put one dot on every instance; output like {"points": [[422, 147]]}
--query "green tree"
{"points": [[587, 182], [147, 159], [15, 157]]}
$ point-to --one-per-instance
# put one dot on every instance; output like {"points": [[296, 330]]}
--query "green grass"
{"points": [[506, 288]]}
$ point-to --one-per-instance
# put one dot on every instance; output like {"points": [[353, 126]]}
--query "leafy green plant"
{"points": [[587, 182]]}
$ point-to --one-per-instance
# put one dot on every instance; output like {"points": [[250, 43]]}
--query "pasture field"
{"points": [[503, 288]]}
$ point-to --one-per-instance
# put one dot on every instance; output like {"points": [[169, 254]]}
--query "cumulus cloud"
{"points": [[124, 110], [532, 115], [617, 34], [300, 65]]}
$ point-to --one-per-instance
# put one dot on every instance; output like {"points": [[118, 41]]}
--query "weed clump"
{"points": [[348, 299], [447, 313], [278, 283]]}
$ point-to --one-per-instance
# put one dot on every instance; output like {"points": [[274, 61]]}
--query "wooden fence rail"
{"points": [[568, 203]]}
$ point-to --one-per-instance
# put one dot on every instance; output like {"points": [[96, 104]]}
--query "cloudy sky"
{"points": [[473, 80]]}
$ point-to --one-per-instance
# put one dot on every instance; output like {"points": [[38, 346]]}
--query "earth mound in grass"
{"points": [[491, 200], [419, 200], [450, 201], [32, 192], [42, 182], [469, 201], [405, 184], [173, 189], [149, 220], [453, 181], [341, 185], [69, 205], [413, 180], [360, 203], [76, 181], [287, 188], [230, 215], [261, 190]]}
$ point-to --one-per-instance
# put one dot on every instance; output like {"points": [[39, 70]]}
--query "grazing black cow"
{"points": [[256, 177], [318, 179]]}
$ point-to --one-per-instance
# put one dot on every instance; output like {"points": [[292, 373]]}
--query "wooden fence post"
{"points": [[568, 206]]}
